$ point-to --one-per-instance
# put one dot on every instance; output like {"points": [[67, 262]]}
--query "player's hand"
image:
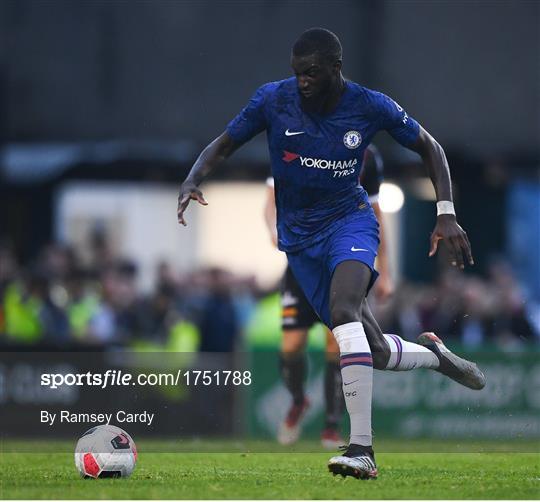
{"points": [[188, 191], [384, 287], [455, 238]]}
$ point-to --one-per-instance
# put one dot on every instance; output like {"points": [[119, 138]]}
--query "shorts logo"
{"points": [[352, 139]]}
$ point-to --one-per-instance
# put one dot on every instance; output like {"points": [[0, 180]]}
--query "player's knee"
{"points": [[343, 314]]}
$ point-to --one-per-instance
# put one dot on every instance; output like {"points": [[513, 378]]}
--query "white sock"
{"points": [[357, 376], [409, 356]]}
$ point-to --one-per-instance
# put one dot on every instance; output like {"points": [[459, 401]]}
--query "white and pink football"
{"points": [[105, 451]]}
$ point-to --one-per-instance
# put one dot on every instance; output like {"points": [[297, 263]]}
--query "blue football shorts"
{"points": [[313, 267]]}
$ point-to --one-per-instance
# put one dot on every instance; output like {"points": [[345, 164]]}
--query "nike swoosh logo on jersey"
{"points": [[291, 133], [358, 249], [349, 383]]}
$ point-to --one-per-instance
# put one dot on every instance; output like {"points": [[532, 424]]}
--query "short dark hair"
{"points": [[318, 41]]}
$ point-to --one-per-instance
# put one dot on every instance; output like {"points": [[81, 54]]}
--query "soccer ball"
{"points": [[105, 451]]}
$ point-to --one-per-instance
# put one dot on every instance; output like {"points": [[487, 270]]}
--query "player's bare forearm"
{"points": [[213, 155], [435, 161], [447, 228]]}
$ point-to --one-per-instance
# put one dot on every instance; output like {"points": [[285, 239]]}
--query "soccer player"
{"points": [[298, 318], [318, 125]]}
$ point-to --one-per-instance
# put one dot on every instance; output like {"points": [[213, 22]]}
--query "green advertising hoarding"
{"points": [[419, 403]]}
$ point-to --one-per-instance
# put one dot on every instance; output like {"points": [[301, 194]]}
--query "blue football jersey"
{"points": [[315, 158]]}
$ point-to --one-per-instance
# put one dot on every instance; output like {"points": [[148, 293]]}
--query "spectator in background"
{"points": [[57, 261], [100, 253], [57, 302], [8, 273], [162, 323], [83, 304], [470, 310], [165, 276], [115, 319], [510, 316], [217, 320], [30, 314], [8, 266], [472, 322], [157, 315]]}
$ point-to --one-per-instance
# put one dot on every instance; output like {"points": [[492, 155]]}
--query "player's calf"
{"points": [[380, 350]]}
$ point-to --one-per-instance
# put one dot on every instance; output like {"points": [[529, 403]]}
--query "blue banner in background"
{"points": [[523, 227]]}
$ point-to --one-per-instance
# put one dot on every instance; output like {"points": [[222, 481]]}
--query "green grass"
{"points": [[278, 475]]}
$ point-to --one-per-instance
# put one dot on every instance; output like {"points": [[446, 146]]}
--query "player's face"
{"points": [[315, 76]]}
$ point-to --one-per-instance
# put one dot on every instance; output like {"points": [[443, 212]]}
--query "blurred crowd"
{"points": [[468, 309], [59, 303]]}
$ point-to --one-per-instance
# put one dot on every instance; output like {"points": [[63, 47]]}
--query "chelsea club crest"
{"points": [[352, 139]]}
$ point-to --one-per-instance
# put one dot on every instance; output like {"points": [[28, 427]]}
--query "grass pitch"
{"points": [[277, 475]]}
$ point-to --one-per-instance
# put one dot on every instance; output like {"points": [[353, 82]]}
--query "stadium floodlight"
{"points": [[391, 198]]}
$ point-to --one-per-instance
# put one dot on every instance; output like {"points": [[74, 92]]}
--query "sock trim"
{"points": [[399, 346], [356, 359]]}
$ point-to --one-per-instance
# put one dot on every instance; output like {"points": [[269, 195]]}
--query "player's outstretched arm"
{"points": [[215, 153], [447, 228]]}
